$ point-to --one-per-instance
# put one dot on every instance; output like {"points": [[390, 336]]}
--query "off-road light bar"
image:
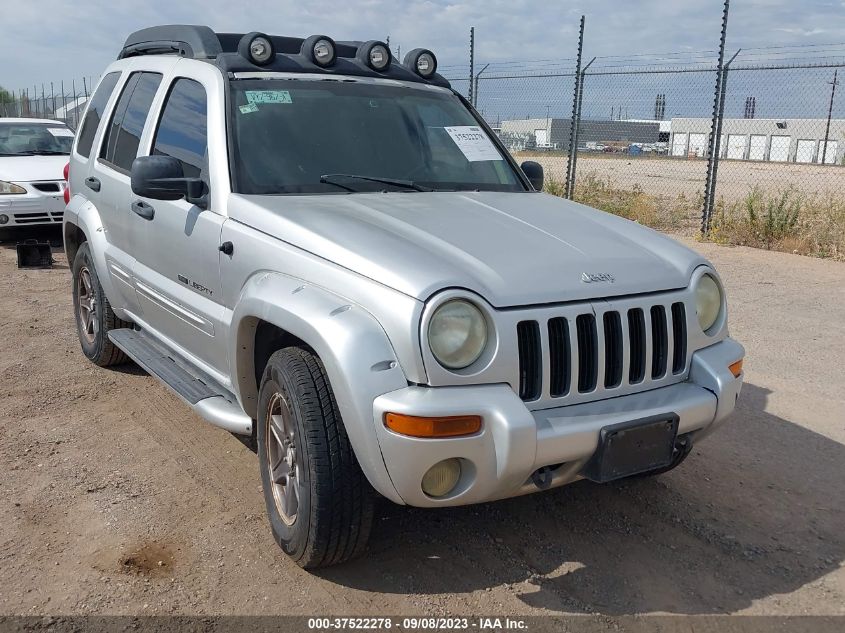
{"points": [[257, 48], [421, 61], [376, 55], [320, 49]]}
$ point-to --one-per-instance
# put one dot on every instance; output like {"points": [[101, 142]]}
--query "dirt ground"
{"points": [[115, 499], [672, 177]]}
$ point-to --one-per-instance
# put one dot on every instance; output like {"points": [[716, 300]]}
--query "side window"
{"points": [[120, 147], [183, 129], [94, 114]]}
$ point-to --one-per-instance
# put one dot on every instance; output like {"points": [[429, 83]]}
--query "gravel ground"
{"points": [[115, 499]]}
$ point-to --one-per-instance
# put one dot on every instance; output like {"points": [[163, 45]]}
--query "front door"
{"points": [[176, 272]]}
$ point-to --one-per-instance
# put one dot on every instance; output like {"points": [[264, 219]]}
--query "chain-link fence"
{"points": [[644, 133], [62, 101]]}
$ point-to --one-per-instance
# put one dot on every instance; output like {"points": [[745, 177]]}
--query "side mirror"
{"points": [[534, 172], [162, 178]]}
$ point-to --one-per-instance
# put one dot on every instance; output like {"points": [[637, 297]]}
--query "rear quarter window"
{"points": [[94, 114]]}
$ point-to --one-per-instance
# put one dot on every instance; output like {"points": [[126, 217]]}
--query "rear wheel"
{"points": [[94, 316], [319, 503]]}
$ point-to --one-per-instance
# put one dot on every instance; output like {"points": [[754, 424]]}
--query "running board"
{"points": [[206, 397]]}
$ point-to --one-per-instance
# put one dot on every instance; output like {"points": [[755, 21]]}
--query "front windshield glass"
{"points": [[341, 136], [34, 139]]}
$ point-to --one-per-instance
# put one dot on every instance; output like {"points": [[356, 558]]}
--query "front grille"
{"points": [[590, 352], [47, 187], [38, 217]]}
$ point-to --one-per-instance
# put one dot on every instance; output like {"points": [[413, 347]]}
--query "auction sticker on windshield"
{"points": [[268, 96], [474, 143], [60, 131]]}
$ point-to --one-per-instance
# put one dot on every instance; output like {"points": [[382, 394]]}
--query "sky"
{"points": [[57, 40]]}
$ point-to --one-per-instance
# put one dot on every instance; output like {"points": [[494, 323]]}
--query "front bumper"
{"points": [[34, 207], [515, 442]]}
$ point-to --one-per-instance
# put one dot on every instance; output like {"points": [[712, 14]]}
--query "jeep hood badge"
{"points": [[589, 278]]}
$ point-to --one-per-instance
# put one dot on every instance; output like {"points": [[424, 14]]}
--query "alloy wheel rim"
{"points": [[87, 303], [282, 458]]}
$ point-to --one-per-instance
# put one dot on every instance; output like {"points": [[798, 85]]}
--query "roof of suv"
{"points": [[221, 49]]}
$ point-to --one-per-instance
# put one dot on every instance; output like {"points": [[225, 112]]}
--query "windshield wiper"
{"points": [[406, 184]]}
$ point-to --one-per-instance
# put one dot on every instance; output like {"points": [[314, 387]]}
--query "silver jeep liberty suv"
{"points": [[329, 252]]}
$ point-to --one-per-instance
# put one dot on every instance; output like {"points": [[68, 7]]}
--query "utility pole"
{"points": [[471, 61], [829, 114]]}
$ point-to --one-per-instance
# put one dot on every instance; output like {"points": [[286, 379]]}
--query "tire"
{"points": [[93, 314], [329, 520]]}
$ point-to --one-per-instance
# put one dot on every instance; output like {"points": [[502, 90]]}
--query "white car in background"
{"points": [[33, 155]]}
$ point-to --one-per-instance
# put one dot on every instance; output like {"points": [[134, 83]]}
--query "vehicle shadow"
{"points": [[756, 511]]}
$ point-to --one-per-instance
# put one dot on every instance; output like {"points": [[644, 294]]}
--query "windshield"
{"points": [[330, 136], [35, 139]]}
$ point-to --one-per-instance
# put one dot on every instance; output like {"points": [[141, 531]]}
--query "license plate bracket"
{"points": [[633, 447]]}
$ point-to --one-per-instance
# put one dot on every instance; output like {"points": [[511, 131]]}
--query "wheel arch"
{"points": [[276, 311]]}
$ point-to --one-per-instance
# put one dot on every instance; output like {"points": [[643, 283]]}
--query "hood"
{"points": [[32, 168], [511, 248]]}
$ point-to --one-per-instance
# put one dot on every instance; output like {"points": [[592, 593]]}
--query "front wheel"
{"points": [[319, 503]]}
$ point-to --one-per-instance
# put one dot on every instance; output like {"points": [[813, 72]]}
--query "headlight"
{"points": [[10, 188], [708, 301], [457, 334]]}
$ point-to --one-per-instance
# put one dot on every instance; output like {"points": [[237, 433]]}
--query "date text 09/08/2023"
{"points": [[417, 623]]}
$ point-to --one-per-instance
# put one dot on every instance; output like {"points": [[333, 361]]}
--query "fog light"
{"points": [[422, 61], [442, 478], [376, 55], [257, 48], [4, 218]]}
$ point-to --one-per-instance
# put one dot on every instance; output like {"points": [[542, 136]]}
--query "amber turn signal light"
{"points": [[736, 368], [414, 426]]}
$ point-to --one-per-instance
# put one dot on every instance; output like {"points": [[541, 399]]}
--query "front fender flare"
{"points": [[356, 352]]}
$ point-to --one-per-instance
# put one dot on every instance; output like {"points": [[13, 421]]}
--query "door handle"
{"points": [[92, 183], [143, 209]]}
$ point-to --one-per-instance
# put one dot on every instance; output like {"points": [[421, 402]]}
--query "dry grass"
{"points": [[787, 221], [667, 213]]}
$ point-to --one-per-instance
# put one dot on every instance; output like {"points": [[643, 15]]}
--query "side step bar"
{"points": [[205, 396]]}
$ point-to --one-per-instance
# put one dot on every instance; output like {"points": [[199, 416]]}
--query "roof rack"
{"points": [[221, 49], [198, 42]]}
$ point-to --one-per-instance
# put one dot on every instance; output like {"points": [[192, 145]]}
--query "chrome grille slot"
{"points": [[679, 336], [588, 352], [636, 330], [659, 340], [613, 352], [530, 360], [560, 368]]}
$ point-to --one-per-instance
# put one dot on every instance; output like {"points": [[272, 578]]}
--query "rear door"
{"points": [[108, 183], [176, 270]]}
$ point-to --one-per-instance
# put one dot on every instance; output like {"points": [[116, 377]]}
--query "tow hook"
{"points": [[542, 477]]}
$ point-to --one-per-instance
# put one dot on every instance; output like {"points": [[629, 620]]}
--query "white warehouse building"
{"points": [[777, 140]]}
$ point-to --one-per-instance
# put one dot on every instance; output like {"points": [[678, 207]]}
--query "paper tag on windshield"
{"points": [[474, 143], [268, 96], [250, 107], [60, 131]]}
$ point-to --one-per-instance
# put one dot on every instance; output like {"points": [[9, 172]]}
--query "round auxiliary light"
{"points": [[376, 55], [422, 61], [257, 48], [708, 301], [320, 49], [4, 218], [442, 478]]}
